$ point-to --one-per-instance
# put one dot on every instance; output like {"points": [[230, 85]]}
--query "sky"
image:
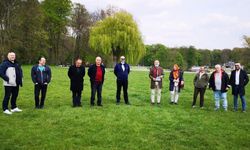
{"points": [[205, 24]]}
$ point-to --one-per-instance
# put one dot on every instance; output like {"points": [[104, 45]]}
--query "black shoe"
{"points": [[80, 105], [100, 105], [37, 107], [92, 105], [176, 103], [152, 103], [117, 103], [127, 103], [171, 103], [41, 106]]}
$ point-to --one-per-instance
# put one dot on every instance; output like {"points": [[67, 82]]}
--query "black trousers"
{"points": [[120, 84], [202, 93], [40, 88], [96, 87], [76, 98], [10, 92]]}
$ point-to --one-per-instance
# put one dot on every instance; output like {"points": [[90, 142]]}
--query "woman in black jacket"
{"points": [[76, 74]]}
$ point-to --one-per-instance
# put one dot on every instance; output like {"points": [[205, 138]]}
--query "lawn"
{"points": [[139, 126]]}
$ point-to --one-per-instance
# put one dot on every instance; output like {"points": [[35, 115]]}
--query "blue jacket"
{"points": [[119, 73], [18, 70], [171, 79], [40, 77]]}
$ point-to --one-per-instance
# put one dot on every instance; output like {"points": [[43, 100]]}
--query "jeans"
{"points": [[96, 87], [40, 88], [13, 92], [218, 95]]}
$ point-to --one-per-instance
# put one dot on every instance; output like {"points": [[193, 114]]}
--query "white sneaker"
{"points": [[7, 112], [16, 110]]}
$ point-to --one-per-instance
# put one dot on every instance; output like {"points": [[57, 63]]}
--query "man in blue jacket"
{"points": [[121, 71], [41, 76], [12, 75]]}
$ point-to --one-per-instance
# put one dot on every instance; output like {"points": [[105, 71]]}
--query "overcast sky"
{"points": [[204, 24]]}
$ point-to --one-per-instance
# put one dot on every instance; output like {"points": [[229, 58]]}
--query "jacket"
{"points": [[92, 72], [76, 77], [41, 77], [119, 73], [243, 81], [151, 76], [224, 82]]}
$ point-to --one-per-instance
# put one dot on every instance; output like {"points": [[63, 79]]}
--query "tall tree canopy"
{"points": [[118, 35]]}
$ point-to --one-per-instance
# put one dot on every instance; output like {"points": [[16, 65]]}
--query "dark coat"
{"points": [[92, 72], [19, 73], [171, 79], [76, 76], [119, 73], [41, 77], [242, 83], [151, 73], [224, 82]]}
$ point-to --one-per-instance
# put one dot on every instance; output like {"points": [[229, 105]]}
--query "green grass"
{"points": [[139, 126]]}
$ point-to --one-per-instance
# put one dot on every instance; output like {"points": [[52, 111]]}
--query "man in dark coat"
{"points": [[238, 81], [41, 77], [76, 74], [96, 74], [12, 75], [121, 71]]}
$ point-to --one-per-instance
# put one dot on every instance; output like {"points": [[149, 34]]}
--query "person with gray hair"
{"points": [[219, 82], [122, 71], [238, 80], [156, 74], [96, 74], [12, 74]]}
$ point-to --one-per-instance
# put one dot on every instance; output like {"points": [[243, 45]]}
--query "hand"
{"points": [[182, 82], [45, 83], [36, 83]]}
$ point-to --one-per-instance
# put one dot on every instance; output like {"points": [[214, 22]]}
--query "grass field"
{"points": [[139, 126]]}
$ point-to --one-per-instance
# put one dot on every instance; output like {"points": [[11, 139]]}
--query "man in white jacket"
{"points": [[12, 75]]}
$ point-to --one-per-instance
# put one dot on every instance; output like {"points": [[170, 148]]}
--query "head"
{"points": [[78, 62], [42, 61], [156, 63], [218, 68], [202, 69], [237, 66], [176, 67], [122, 59], [98, 61], [11, 56]]}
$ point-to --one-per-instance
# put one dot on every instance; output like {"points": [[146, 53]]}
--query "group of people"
{"points": [[219, 81]]}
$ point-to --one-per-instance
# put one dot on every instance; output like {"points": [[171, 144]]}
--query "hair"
{"points": [[40, 57], [218, 65], [78, 59]]}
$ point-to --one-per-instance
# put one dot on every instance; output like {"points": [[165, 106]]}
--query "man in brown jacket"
{"points": [[156, 75]]}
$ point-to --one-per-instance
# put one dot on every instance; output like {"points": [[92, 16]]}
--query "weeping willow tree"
{"points": [[118, 35]]}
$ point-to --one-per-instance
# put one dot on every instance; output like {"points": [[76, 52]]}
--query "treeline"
{"points": [[56, 29], [187, 57], [61, 31]]}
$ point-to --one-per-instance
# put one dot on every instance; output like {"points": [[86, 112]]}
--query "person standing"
{"points": [[121, 71], [76, 74], [200, 84], [175, 84], [96, 73], [11, 73], [156, 74], [238, 80], [41, 77], [219, 82]]}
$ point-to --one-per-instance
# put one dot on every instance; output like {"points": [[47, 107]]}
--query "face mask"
{"points": [[123, 62], [156, 65]]}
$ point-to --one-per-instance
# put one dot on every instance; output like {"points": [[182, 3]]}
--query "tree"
{"points": [[80, 24], [246, 41], [57, 14], [118, 35]]}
